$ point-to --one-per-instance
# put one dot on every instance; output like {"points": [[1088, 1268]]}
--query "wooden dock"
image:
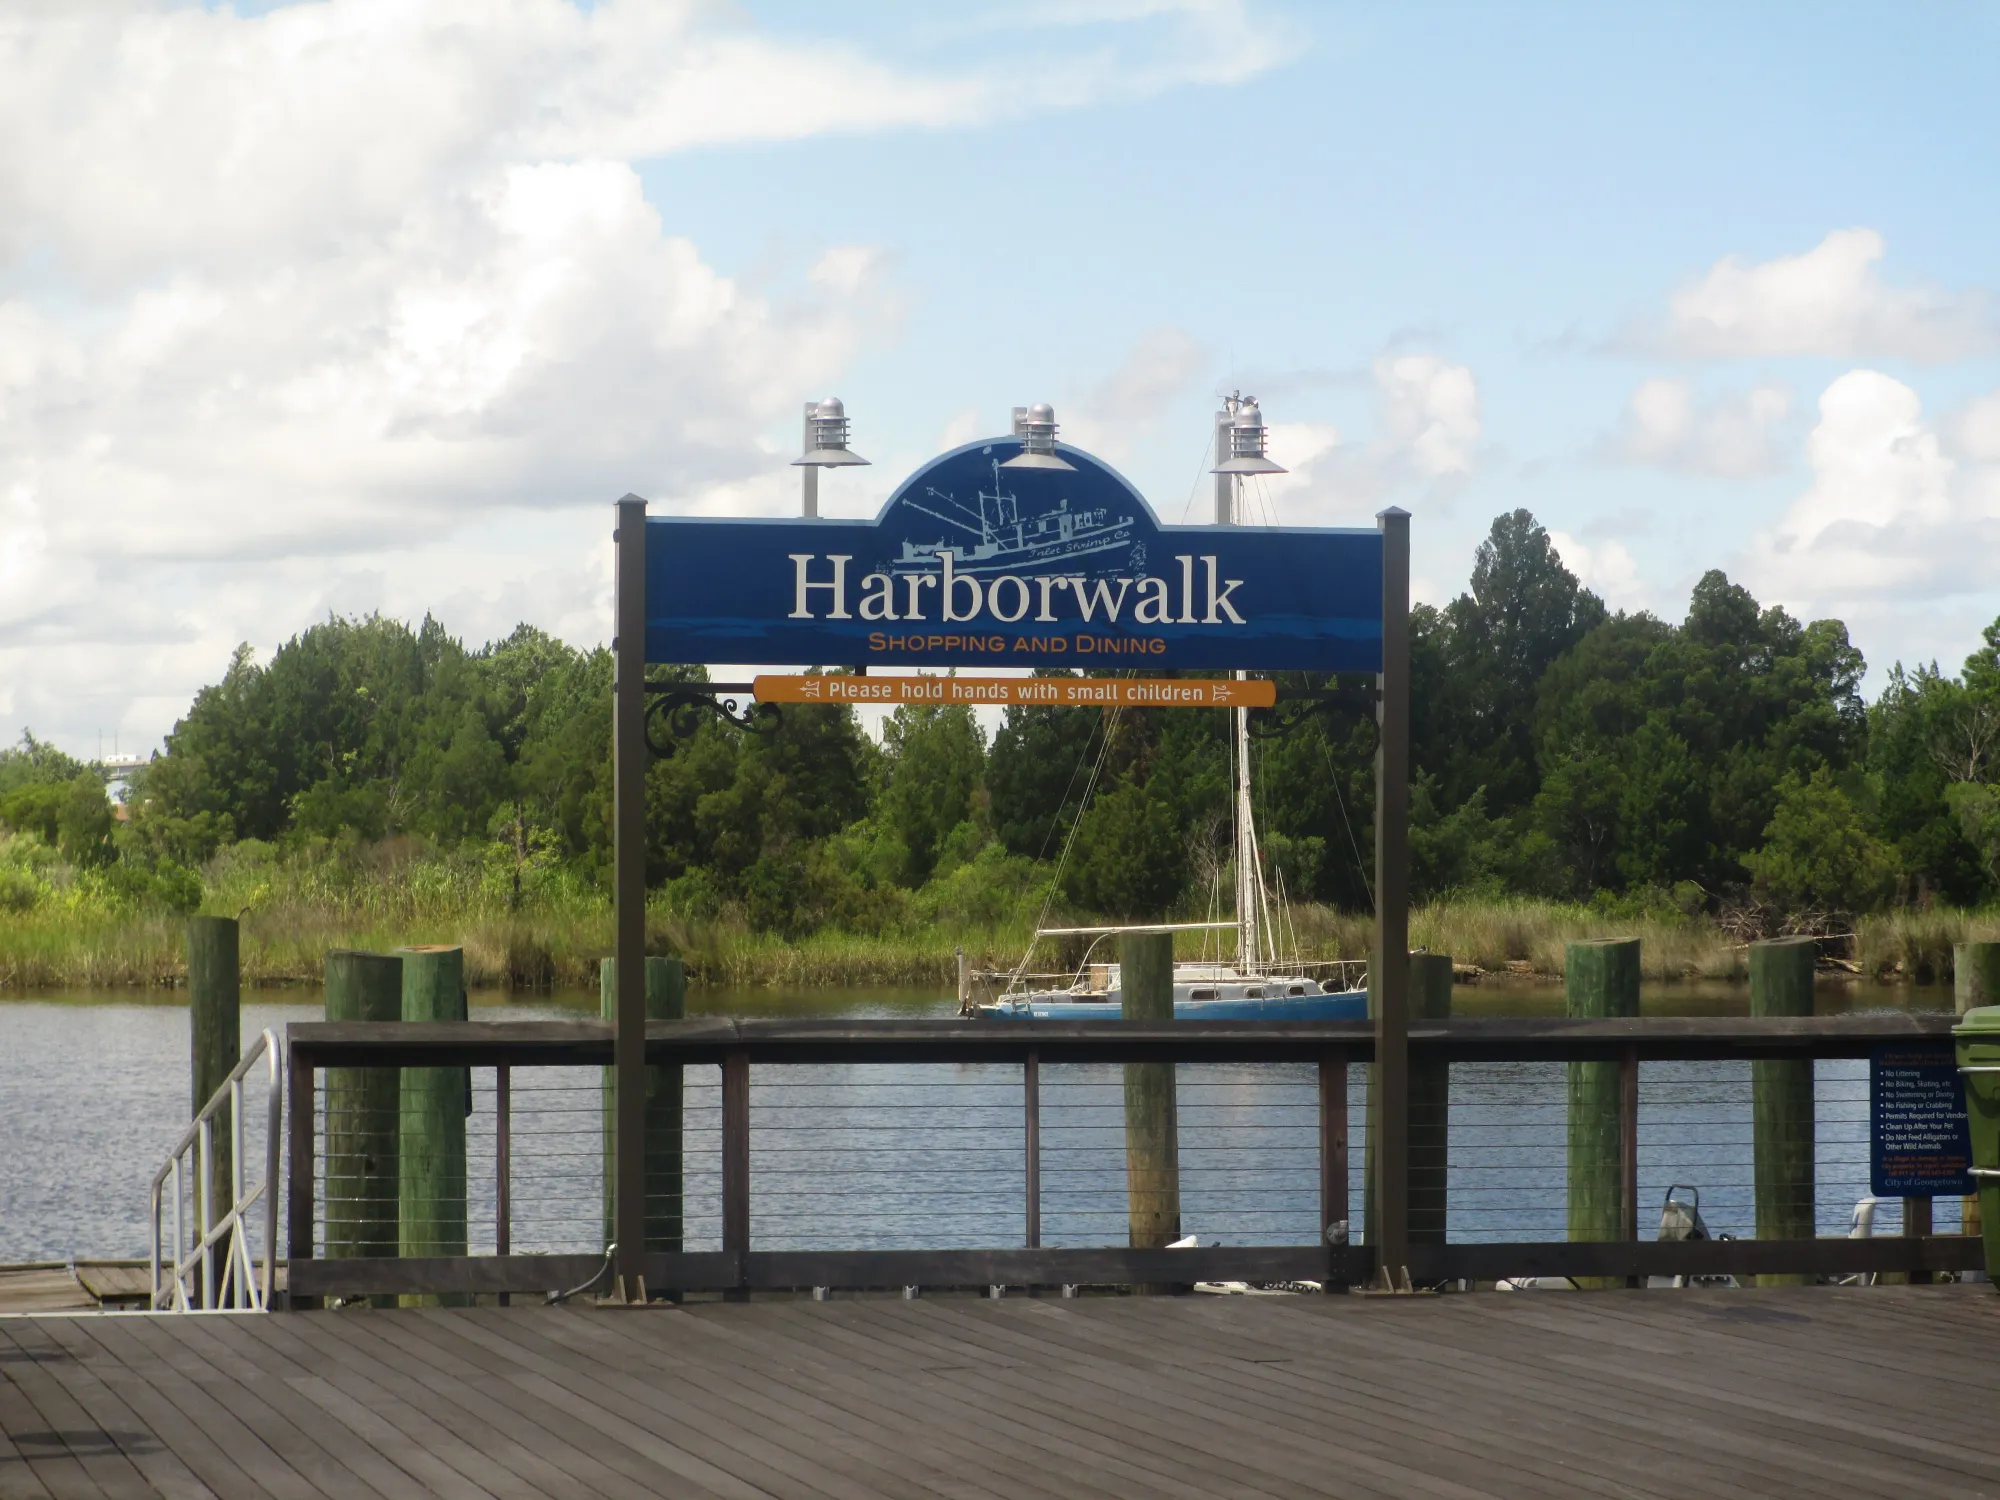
{"points": [[1880, 1392]]}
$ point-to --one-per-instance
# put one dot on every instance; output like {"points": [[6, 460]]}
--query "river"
{"points": [[93, 1093]]}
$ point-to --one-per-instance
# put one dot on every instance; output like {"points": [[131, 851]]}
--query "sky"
{"points": [[379, 304]]}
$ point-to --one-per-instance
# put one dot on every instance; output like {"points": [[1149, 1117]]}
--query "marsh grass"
{"points": [[1916, 945], [1526, 936], [551, 931]]}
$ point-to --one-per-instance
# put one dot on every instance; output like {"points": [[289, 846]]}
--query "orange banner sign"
{"points": [[1056, 692]]}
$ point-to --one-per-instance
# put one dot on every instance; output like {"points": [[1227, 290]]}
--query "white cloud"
{"points": [[1897, 528], [1430, 412], [1828, 302], [1112, 416], [138, 135], [1733, 435], [1607, 569], [961, 427], [361, 304], [1427, 433], [1976, 429]]}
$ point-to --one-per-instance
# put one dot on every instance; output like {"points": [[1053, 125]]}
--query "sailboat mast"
{"points": [[1239, 450], [1246, 838], [1247, 883]]}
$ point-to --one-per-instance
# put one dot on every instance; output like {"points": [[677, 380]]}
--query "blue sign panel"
{"points": [[974, 564], [1920, 1142]]}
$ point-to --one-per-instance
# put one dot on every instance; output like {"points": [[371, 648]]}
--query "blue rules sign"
{"points": [[1920, 1144], [971, 564]]}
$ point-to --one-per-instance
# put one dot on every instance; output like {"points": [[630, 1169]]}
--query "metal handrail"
{"points": [[242, 1286]]}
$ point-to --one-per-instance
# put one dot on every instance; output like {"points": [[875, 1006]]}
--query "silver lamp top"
{"points": [[1035, 426], [826, 436], [1247, 436]]}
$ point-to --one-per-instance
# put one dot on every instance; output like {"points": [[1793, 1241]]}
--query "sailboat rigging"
{"points": [[1260, 984]]}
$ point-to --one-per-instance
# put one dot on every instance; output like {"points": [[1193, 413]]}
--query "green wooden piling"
{"points": [[1781, 1099], [1430, 1112], [1975, 982], [431, 1174], [1152, 1133], [1976, 970], [363, 1106], [215, 1043], [1600, 979], [666, 1000]]}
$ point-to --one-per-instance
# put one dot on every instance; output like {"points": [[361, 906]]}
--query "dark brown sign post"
{"points": [[1389, 968], [628, 754]]}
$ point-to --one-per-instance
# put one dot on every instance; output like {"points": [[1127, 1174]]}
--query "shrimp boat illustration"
{"points": [[997, 538]]}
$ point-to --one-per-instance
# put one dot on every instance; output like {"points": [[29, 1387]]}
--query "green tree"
{"points": [[1456, 852], [1130, 861], [1818, 852], [936, 758], [36, 763], [1035, 776], [83, 826], [1484, 656]]}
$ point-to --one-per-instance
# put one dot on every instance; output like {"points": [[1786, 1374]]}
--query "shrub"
{"points": [[1817, 853]]}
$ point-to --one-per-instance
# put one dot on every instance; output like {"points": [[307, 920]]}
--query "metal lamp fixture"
{"points": [[1035, 426], [826, 447], [1247, 436]]}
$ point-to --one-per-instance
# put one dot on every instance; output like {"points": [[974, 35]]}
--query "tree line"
{"points": [[1727, 762]]}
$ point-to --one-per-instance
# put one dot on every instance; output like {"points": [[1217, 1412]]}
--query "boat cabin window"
{"points": [[1253, 994], [1297, 989], [1201, 994]]}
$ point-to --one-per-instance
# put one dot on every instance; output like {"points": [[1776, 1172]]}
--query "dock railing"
{"points": [[813, 1136], [213, 1211]]}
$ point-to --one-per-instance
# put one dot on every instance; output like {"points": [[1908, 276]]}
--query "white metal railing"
{"points": [[210, 1266]]}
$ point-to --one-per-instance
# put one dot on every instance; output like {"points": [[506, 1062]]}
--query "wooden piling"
{"points": [[1781, 1099], [666, 1000], [1600, 979], [1975, 982], [431, 1172], [1152, 1134], [363, 1109], [215, 1043]]}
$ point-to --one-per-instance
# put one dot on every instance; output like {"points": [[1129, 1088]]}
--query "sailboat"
{"points": [[1257, 984]]}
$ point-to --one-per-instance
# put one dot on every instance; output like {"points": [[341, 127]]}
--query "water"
{"points": [[93, 1093]]}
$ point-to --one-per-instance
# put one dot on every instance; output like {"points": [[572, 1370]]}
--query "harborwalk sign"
{"points": [[975, 565], [972, 564]]}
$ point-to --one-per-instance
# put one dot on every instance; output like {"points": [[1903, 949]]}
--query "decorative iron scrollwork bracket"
{"points": [[1298, 707], [676, 710]]}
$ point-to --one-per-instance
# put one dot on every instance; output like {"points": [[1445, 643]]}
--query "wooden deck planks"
{"points": [[1843, 1415], [811, 1429], [1275, 1391], [1673, 1436], [1882, 1392], [965, 1441]]}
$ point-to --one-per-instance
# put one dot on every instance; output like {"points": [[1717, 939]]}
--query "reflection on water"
{"points": [[93, 1093]]}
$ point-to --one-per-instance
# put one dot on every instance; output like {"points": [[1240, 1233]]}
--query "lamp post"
{"points": [[826, 448], [1035, 426], [1240, 436]]}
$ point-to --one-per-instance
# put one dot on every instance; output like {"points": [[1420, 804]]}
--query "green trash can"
{"points": [[1977, 1036]]}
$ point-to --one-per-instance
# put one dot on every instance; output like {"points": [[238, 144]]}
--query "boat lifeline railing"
{"points": [[1096, 936], [210, 1263]]}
